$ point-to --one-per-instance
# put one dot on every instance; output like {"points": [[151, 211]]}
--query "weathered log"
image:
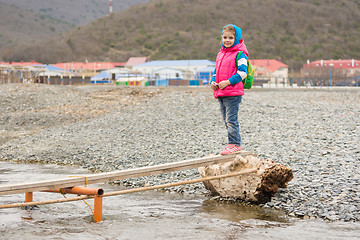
{"points": [[256, 187]]}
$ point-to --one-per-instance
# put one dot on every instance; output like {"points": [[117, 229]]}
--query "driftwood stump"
{"points": [[256, 187]]}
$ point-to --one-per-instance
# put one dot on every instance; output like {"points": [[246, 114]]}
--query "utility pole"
{"points": [[331, 65]]}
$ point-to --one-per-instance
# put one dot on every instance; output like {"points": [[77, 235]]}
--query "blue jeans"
{"points": [[229, 107]]}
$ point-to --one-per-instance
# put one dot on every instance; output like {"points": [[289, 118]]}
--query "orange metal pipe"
{"points": [[28, 197], [96, 192], [79, 190], [97, 208]]}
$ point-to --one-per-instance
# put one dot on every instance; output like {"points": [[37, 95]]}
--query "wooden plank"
{"points": [[117, 175], [127, 191]]}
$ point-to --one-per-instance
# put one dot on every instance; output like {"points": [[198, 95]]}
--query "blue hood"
{"points": [[237, 35]]}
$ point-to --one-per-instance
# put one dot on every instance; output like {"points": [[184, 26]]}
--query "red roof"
{"points": [[344, 64], [119, 64], [136, 60], [270, 64], [22, 63], [86, 65]]}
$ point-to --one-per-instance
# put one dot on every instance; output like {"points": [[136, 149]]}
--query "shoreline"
{"points": [[107, 128]]}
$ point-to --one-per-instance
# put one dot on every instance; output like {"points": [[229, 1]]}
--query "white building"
{"points": [[168, 73], [274, 71], [185, 68]]}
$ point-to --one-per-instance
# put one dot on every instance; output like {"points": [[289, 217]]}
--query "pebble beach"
{"points": [[315, 132]]}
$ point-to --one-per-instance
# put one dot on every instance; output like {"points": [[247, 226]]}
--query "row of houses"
{"points": [[164, 72], [337, 72], [38, 72], [140, 71]]}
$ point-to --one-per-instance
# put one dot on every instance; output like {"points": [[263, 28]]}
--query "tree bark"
{"points": [[256, 187]]}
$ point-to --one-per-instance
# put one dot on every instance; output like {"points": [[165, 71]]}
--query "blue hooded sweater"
{"points": [[237, 35], [242, 62]]}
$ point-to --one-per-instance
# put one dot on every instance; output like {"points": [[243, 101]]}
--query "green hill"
{"points": [[22, 26], [76, 12], [26, 22], [290, 30]]}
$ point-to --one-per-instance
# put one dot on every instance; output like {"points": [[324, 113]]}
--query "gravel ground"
{"points": [[316, 132]]}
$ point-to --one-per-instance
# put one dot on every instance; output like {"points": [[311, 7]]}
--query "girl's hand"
{"points": [[214, 86], [224, 84]]}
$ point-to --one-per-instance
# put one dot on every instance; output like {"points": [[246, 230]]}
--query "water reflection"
{"points": [[237, 211]]}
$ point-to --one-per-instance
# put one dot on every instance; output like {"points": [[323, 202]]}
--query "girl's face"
{"points": [[228, 39]]}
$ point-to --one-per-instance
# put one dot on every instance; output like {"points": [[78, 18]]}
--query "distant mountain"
{"points": [[28, 21], [22, 26], [75, 12], [290, 30]]}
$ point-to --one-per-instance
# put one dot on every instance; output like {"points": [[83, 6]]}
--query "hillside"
{"points": [[76, 12], [292, 30], [28, 21], [18, 26]]}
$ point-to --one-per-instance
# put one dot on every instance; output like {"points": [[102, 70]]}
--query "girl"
{"points": [[227, 83]]}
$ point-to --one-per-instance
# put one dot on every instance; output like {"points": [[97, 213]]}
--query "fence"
{"points": [[15, 76], [65, 80], [24, 76], [29, 77]]}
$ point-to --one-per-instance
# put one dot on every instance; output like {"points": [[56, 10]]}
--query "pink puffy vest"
{"points": [[226, 67]]}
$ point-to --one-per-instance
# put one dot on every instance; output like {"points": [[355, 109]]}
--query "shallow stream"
{"points": [[149, 215]]}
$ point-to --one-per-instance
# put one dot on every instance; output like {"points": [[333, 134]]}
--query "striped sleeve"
{"points": [[213, 77], [241, 70]]}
